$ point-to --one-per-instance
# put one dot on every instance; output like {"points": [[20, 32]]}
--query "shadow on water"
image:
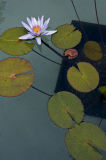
{"points": [[92, 100]]}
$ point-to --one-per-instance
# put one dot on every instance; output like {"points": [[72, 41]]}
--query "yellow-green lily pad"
{"points": [[102, 89], [66, 37], [10, 43], [64, 107], [92, 50], [13, 78], [84, 140], [83, 79]]}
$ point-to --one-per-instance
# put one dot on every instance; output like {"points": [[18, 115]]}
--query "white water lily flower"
{"points": [[36, 29]]}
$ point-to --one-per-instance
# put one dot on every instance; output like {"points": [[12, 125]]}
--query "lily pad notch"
{"points": [[84, 141], [14, 79], [10, 43], [83, 79], [67, 36], [64, 108]]}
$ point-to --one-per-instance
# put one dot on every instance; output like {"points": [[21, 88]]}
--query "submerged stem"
{"points": [[79, 19], [99, 27], [46, 57], [41, 91], [100, 122], [59, 54]]}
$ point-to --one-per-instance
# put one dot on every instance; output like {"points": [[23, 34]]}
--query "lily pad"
{"points": [[83, 79], [102, 89], [13, 78], [92, 50], [66, 37], [64, 107], [84, 140], [10, 43], [71, 53]]}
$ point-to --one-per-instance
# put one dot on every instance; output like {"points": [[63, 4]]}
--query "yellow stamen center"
{"points": [[36, 29]]}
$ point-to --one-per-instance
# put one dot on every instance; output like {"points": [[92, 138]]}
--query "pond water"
{"points": [[26, 131]]}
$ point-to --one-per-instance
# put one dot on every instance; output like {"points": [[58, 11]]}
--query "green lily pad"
{"points": [[64, 107], [66, 37], [84, 140], [83, 79], [92, 50], [13, 78], [10, 43], [102, 89]]}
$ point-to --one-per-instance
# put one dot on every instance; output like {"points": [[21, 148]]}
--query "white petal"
{"points": [[49, 32], [38, 21], [26, 36], [38, 39], [46, 24], [34, 21], [41, 22], [30, 23], [26, 26]]}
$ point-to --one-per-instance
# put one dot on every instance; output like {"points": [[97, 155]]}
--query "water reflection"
{"points": [[2, 7]]}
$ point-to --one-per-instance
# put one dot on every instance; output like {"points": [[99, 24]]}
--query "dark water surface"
{"points": [[92, 101]]}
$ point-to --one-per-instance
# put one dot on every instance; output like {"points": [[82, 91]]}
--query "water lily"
{"points": [[36, 29]]}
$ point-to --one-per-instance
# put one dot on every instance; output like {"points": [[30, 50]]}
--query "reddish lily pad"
{"points": [[71, 53], [13, 78], [10, 43]]}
